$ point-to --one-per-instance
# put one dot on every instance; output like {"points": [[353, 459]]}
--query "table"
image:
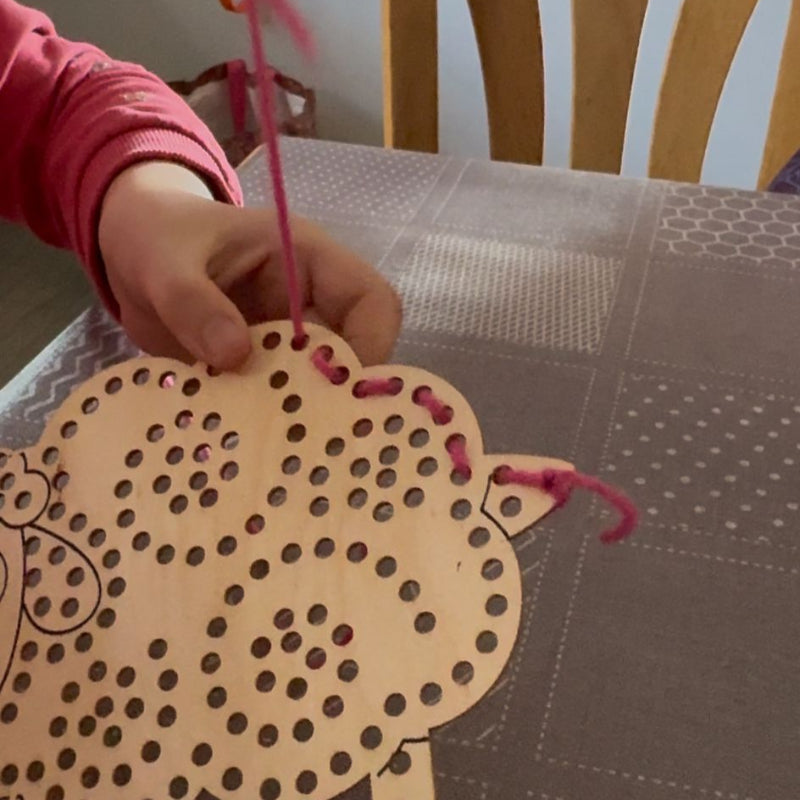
{"points": [[648, 332]]}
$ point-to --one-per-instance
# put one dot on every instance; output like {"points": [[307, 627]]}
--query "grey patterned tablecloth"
{"points": [[649, 332]]}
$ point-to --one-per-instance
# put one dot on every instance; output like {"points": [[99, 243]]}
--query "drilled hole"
{"points": [[230, 441], [410, 591], [292, 403], [278, 379], [333, 706], [268, 736], [184, 419], [226, 545], [198, 481], [362, 428], [319, 475], [90, 405], [234, 595], [296, 433], [324, 548], [427, 467], [419, 438], [463, 673], [414, 498], [317, 614], [461, 509], [371, 737], [259, 569], [393, 424], [291, 465], [486, 642], [283, 619], [357, 552], [496, 605], [178, 504], [271, 340], [383, 512], [348, 671], [211, 422], [254, 524], [265, 681], [425, 622], [395, 705], [386, 478], [341, 763], [359, 468], [511, 506], [229, 471], [261, 647], [155, 433], [209, 498], [342, 635], [319, 506], [492, 569], [479, 537], [386, 567], [430, 694], [303, 730], [291, 553]]}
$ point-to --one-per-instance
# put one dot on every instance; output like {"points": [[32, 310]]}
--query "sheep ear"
{"points": [[517, 508]]}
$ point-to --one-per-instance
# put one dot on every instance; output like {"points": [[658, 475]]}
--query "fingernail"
{"points": [[224, 342]]}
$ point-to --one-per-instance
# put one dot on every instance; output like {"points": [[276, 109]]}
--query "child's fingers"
{"points": [[199, 315]]}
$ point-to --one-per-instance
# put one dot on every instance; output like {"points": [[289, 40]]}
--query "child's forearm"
{"points": [[73, 120]]}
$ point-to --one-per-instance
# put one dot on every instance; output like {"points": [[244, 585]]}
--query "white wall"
{"points": [[178, 38]]}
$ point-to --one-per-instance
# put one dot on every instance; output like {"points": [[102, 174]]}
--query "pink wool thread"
{"points": [[294, 23], [441, 413], [378, 387], [269, 128], [559, 485], [321, 359], [456, 447]]}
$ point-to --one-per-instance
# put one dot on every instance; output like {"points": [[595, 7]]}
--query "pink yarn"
{"points": [[321, 359], [559, 485], [295, 23], [441, 413], [266, 108], [378, 387], [456, 446]]}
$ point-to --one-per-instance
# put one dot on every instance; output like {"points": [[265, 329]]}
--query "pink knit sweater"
{"points": [[70, 120]]}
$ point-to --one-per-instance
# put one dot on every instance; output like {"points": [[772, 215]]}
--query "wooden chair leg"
{"points": [[408, 775]]}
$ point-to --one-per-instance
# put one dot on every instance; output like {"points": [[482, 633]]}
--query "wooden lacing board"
{"points": [[253, 584]]}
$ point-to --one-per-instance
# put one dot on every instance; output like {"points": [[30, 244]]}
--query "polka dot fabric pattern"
{"points": [[514, 293], [263, 585], [732, 225], [688, 430], [360, 183]]}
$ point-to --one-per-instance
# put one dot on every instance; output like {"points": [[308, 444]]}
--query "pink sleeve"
{"points": [[72, 119]]}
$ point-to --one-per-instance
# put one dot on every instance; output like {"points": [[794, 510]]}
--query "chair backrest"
{"points": [[606, 45]]}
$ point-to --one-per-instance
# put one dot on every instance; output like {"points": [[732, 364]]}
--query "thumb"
{"points": [[199, 315]]}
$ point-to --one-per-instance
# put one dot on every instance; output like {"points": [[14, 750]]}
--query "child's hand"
{"points": [[189, 273]]}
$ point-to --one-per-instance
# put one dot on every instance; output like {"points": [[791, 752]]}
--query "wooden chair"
{"points": [[509, 38]]}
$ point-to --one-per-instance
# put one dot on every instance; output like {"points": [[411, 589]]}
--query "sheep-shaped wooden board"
{"points": [[260, 584]]}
